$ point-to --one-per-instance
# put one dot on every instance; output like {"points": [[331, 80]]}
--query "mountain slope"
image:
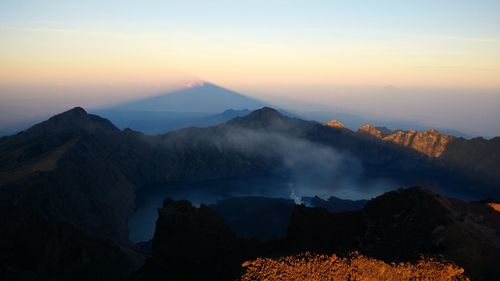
{"points": [[431, 142], [76, 167], [266, 142], [83, 170], [477, 154]]}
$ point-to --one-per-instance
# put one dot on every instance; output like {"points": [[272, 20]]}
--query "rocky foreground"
{"points": [[355, 267], [407, 234]]}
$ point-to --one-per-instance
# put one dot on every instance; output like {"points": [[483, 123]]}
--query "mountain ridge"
{"points": [[430, 142], [80, 169], [80, 155]]}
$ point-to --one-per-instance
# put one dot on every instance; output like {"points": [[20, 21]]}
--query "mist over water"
{"points": [[307, 169]]}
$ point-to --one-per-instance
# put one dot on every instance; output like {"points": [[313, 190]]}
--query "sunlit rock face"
{"points": [[355, 267], [334, 124], [370, 129], [495, 206], [431, 142]]}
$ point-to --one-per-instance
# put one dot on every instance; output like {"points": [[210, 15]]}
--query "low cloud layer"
{"points": [[312, 168]]}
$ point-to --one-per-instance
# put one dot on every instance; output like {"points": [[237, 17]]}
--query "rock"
{"points": [[371, 130], [192, 244], [495, 206], [431, 143], [334, 124]]}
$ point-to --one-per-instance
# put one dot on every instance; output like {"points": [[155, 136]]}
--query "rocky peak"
{"points": [[229, 111], [73, 120], [265, 117], [266, 112], [431, 142], [334, 124], [378, 132], [494, 206], [192, 244], [235, 112], [384, 131], [371, 130]]}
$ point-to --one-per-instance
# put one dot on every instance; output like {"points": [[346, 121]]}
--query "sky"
{"points": [[333, 54]]}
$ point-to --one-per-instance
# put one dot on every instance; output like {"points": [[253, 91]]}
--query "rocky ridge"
{"points": [[334, 124], [431, 142]]}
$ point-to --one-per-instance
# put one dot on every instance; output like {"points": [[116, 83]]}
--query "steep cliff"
{"points": [[192, 244]]}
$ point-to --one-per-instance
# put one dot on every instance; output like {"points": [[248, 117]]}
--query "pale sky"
{"points": [[55, 54]]}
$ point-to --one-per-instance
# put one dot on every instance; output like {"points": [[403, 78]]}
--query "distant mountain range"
{"points": [[84, 156], [435, 144], [79, 171], [157, 122], [354, 121], [203, 104]]}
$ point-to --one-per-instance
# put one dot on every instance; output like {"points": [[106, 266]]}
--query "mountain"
{"points": [[200, 97], [82, 169], [192, 244], [74, 167], [431, 142], [334, 124], [334, 204], [62, 165], [160, 122], [81, 174], [353, 121], [475, 154], [200, 104]]}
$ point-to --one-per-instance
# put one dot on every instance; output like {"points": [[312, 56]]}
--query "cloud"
{"points": [[311, 168]]}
